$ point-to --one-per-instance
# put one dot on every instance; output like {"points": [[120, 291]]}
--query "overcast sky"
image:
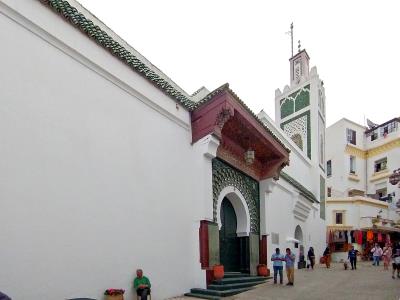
{"points": [[354, 44]]}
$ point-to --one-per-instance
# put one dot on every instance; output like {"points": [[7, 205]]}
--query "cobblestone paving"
{"points": [[365, 283]]}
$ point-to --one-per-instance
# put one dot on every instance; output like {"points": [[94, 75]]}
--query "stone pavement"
{"points": [[365, 283]]}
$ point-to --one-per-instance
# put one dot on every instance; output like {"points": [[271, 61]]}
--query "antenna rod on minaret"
{"points": [[291, 36]]}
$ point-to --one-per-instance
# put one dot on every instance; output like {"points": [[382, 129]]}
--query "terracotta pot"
{"points": [[218, 272], [262, 270]]}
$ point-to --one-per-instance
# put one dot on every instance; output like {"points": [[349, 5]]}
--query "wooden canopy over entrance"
{"points": [[225, 116]]}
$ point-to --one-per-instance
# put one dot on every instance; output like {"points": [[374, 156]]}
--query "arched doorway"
{"points": [[234, 224], [228, 240], [298, 235]]}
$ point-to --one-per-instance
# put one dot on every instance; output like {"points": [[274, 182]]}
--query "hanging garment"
{"points": [[346, 237], [380, 237], [359, 237], [370, 236], [353, 237]]}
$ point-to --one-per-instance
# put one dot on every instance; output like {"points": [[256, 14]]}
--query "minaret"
{"points": [[300, 108], [300, 113], [299, 67]]}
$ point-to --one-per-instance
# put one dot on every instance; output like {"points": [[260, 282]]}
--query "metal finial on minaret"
{"points": [[299, 46], [291, 36]]}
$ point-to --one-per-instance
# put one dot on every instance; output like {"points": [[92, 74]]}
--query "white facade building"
{"points": [[352, 214], [359, 163], [360, 160], [107, 165]]}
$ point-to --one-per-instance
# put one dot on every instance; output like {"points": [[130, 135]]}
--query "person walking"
{"points": [[278, 260], [327, 255], [352, 257], [376, 253], [396, 263], [311, 257], [289, 259], [387, 256]]}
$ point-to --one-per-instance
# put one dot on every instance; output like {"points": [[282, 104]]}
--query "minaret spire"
{"points": [[291, 36]]}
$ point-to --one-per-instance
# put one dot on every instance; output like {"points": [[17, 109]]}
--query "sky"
{"points": [[355, 46]]}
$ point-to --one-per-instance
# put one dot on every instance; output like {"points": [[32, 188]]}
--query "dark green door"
{"points": [[229, 243]]}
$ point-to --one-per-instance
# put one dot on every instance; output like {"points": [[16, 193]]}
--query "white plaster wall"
{"points": [[339, 180], [393, 163], [381, 140], [97, 174], [355, 213], [336, 144], [279, 218]]}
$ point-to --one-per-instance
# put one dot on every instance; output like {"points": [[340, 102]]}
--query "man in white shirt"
{"points": [[377, 253]]}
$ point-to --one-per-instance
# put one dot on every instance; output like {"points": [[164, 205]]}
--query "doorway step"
{"points": [[233, 283]]}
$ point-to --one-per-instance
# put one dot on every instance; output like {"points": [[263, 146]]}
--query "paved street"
{"points": [[367, 282]]}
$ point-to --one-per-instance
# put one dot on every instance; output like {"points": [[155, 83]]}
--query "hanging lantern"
{"points": [[249, 156]]}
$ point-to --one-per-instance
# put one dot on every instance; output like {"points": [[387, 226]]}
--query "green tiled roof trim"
{"points": [[295, 101], [225, 87], [303, 191], [103, 39]]}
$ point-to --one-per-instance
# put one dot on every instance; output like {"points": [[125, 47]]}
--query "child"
{"points": [[345, 264]]}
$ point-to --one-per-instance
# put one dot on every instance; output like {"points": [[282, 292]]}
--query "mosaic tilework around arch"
{"points": [[224, 175]]}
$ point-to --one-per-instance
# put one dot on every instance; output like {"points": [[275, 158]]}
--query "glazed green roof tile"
{"points": [[225, 87], [103, 39], [303, 191]]}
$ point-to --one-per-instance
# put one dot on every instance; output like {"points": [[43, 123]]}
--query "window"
{"points": [[380, 165], [381, 193], [329, 192], [351, 136], [388, 128], [339, 218], [352, 164], [374, 135], [329, 168]]}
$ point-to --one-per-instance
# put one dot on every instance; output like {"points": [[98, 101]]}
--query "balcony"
{"points": [[382, 174]]}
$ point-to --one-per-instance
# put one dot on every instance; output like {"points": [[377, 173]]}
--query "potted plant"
{"points": [[114, 294], [262, 270], [218, 272], [374, 221]]}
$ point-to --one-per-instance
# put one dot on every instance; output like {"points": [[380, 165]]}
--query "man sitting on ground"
{"points": [[141, 284]]}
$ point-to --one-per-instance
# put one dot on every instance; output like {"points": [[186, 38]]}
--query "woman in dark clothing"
{"points": [[311, 257], [327, 255]]}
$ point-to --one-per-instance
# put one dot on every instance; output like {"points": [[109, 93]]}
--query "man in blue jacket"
{"points": [[352, 256]]}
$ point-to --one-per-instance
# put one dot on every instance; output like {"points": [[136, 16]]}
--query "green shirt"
{"points": [[139, 281]]}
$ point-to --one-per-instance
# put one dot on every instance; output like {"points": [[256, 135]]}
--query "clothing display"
{"points": [[370, 236], [360, 237], [352, 236], [379, 237]]}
